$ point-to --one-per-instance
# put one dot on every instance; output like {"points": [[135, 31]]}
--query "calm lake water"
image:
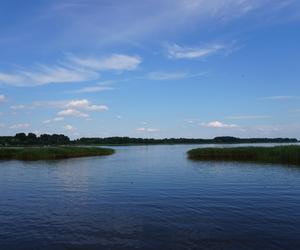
{"points": [[148, 197]]}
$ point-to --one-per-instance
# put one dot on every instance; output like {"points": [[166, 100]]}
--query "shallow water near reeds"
{"points": [[148, 197]]}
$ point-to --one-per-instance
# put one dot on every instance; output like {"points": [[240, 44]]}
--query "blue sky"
{"points": [[168, 68]]}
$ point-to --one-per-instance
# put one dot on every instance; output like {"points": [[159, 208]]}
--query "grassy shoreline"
{"points": [[278, 154], [51, 153]]}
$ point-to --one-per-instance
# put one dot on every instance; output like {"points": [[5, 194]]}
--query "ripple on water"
{"points": [[148, 197]]}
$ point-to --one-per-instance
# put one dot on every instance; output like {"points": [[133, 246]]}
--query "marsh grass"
{"points": [[51, 153], [279, 154]]}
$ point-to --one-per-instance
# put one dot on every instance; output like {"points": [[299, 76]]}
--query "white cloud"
{"points": [[72, 112], [93, 89], [97, 108], [276, 130], [2, 98], [20, 126], [98, 87], [78, 104], [147, 130], [159, 75], [268, 128], [134, 21], [2, 125], [295, 111], [221, 10], [248, 117], [78, 108], [218, 124], [165, 76], [75, 108], [85, 105], [116, 62], [21, 106], [9, 78], [178, 52], [69, 127], [74, 69], [48, 74], [152, 130], [49, 104], [40, 104], [56, 119], [280, 97], [59, 74]]}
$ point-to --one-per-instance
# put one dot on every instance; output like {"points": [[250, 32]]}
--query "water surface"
{"points": [[148, 197]]}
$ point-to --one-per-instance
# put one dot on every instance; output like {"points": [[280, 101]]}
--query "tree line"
{"points": [[222, 139], [22, 139]]}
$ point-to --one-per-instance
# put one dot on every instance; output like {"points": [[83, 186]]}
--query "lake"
{"points": [[148, 197]]}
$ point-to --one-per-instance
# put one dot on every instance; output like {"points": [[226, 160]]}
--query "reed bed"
{"points": [[51, 153], [279, 154]]}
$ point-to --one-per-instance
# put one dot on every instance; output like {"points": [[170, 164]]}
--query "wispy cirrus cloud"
{"points": [[20, 126], [56, 119], [175, 51], [63, 104], [280, 97], [159, 75], [39, 104], [248, 117], [295, 111], [115, 62], [139, 21], [72, 69], [165, 76], [43, 75], [93, 89], [10, 78], [2, 98], [98, 87], [151, 130], [21, 107]]}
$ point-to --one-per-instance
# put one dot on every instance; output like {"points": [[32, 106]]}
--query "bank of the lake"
{"points": [[279, 154], [51, 153]]}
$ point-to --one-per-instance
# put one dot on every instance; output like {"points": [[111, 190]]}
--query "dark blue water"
{"points": [[148, 197]]}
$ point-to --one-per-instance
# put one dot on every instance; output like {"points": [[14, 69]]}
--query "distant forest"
{"points": [[22, 139]]}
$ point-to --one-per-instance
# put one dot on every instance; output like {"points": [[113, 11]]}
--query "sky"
{"points": [[150, 68]]}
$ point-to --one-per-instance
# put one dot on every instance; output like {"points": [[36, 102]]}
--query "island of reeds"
{"points": [[279, 154], [51, 153]]}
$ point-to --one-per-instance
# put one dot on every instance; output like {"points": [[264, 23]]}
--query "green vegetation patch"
{"points": [[51, 153], [278, 154]]}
